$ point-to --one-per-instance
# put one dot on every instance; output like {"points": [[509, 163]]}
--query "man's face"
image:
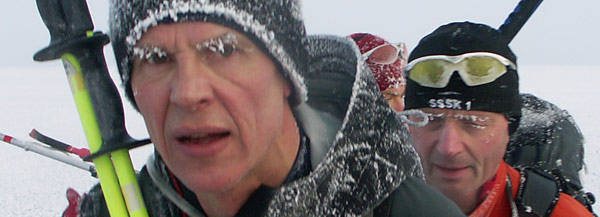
{"points": [[213, 102], [461, 150]]}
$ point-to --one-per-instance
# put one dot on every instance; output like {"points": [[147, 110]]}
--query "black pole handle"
{"points": [[67, 21], [70, 27]]}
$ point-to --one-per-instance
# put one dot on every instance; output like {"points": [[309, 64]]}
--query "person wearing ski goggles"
{"points": [[463, 77], [386, 61]]}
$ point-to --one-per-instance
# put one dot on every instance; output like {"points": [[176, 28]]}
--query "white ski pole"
{"points": [[48, 152]]}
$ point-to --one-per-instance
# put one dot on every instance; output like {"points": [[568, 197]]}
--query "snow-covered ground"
{"points": [[32, 185]]}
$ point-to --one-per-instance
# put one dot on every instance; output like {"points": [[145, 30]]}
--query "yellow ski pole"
{"points": [[97, 100]]}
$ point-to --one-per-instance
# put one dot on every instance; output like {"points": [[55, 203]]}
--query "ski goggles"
{"points": [[474, 68], [385, 54]]}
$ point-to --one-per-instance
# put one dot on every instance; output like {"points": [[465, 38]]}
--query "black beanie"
{"points": [[500, 96], [275, 26]]}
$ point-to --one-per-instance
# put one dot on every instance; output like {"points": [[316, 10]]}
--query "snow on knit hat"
{"points": [[386, 75], [500, 96], [275, 26]]}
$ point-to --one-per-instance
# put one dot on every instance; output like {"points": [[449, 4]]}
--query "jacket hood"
{"points": [[370, 154]]}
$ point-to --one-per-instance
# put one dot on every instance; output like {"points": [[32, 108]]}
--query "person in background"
{"points": [[464, 77], [74, 200], [386, 61], [221, 87]]}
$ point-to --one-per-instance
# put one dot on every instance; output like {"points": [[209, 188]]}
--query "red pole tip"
{"points": [[7, 138]]}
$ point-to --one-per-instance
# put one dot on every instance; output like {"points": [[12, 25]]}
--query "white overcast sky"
{"points": [[560, 32]]}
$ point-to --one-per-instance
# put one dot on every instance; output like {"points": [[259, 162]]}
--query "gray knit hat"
{"points": [[275, 26]]}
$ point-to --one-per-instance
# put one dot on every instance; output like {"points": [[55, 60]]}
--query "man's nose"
{"points": [[192, 86], [451, 141]]}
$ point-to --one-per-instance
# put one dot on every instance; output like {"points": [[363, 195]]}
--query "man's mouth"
{"points": [[451, 168], [201, 139], [451, 171], [201, 145]]}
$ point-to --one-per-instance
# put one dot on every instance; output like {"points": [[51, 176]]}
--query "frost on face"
{"points": [[149, 53], [223, 45], [421, 119]]}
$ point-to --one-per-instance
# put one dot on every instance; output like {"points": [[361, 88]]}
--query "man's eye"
{"points": [[436, 117], [151, 55], [390, 95], [223, 46], [228, 49], [476, 125], [223, 49], [477, 122], [387, 96], [157, 58]]}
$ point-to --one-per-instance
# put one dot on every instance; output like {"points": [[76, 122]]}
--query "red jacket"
{"points": [[497, 203]]}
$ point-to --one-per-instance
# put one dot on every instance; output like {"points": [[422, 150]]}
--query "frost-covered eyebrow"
{"points": [[217, 43], [466, 117], [475, 118], [145, 52]]}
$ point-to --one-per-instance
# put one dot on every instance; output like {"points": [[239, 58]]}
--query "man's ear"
{"points": [[287, 89]]}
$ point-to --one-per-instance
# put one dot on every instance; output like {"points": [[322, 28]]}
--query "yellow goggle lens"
{"points": [[481, 70], [431, 72]]}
